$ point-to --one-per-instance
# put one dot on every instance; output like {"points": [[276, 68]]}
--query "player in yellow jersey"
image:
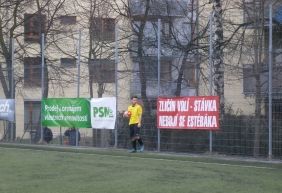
{"points": [[134, 113]]}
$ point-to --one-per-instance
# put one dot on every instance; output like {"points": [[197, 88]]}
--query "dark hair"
{"points": [[134, 97]]}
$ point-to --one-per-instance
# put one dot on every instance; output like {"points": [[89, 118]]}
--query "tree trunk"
{"points": [[180, 75], [258, 50], [142, 72], [6, 54], [217, 57], [90, 67], [143, 82], [258, 101]]}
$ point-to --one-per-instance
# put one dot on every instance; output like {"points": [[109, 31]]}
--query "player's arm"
{"points": [[139, 116], [125, 113]]}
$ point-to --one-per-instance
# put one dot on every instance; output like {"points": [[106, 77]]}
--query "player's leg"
{"points": [[139, 139], [133, 139]]}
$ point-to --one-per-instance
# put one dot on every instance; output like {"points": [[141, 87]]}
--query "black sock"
{"points": [[140, 141], [134, 144]]}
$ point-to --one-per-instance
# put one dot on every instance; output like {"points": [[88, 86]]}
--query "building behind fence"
{"points": [[123, 50]]}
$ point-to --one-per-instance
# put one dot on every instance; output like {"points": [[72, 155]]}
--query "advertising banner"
{"points": [[7, 109], [199, 112], [66, 112], [103, 113]]}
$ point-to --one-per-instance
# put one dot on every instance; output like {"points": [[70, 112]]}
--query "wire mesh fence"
{"points": [[237, 135]]}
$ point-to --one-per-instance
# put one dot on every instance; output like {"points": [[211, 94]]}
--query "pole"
{"points": [[270, 85], [78, 64], [116, 81], [42, 78], [197, 51], [12, 125], [12, 66], [61, 136], [159, 75], [210, 74], [78, 79]]}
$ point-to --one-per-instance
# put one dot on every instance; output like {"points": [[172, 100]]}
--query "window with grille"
{"points": [[103, 29], [68, 62], [158, 8], [190, 74], [32, 71], [102, 70], [276, 45], [32, 111], [68, 20], [249, 8], [34, 25], [167, 29], [151, 67]]}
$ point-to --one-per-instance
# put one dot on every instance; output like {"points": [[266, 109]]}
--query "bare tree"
{"points": [[217, 57], [98, 18], [136, 33], [249, 42], [9, 22]]}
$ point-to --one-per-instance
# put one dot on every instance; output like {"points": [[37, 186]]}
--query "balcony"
{"points": [[158, 8], [167, 88], [168, 78], [249, 82], [251, 13]]}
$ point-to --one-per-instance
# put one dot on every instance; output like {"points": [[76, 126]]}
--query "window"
{"points": [[276, 44], [170, 8], [189, 74], [166, 70], [32, 111], [103, 29], [67, 20], [68, 62], [151, 66], [34, 25], [249, 13], [102, 70], [166, 29], [32, 71], [276, 108], [158, 7], [179, 8], [249, 81], [4, 68]]}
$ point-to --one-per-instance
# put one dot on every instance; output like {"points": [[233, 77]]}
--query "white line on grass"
{"points": [[150, 158], [187, 161]]}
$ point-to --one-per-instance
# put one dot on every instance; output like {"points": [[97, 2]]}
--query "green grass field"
{"points": [[38, 170]]}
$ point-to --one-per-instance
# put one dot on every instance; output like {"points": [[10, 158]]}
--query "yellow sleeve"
{"points": [[140, 111]]}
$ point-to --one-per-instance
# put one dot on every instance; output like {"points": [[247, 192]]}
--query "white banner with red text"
{"points": [[196, 112]]}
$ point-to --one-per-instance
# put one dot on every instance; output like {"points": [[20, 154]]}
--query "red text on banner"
{"points": [[201, 112]]}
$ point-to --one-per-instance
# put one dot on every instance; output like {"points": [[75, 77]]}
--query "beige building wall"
{"points": [[67, 42], [68, 45]]}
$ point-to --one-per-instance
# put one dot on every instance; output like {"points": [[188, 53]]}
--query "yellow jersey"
{"points": [[136, 113]]}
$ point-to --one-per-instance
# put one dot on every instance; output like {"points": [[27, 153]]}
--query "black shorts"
{"points": [[134, 130]]}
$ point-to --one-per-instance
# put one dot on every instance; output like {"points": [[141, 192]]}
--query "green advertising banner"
{"points": [[66, 112]]}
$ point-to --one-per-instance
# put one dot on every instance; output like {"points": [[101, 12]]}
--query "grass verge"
{"points": [[40, 169]]}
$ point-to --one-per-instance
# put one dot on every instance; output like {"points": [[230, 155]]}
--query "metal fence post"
{"points": [[116, 82], [78, 80], [270, 85], [12, 87], [159, 75], [42, 79], [210, 73]]}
